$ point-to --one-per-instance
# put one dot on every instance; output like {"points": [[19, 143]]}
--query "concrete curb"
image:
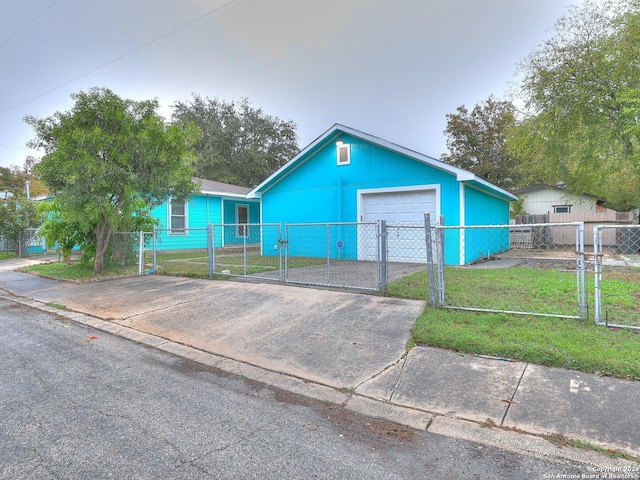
{"points": [[533, 444]]}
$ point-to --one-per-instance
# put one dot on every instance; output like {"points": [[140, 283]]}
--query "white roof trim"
{"points": [[461, 175], [222, 194]]}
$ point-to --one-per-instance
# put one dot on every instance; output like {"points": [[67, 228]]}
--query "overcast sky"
{"points": [[391, 68]]}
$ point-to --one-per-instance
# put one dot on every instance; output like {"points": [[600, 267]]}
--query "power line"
{"points": [[211, 12], [29, 23]]}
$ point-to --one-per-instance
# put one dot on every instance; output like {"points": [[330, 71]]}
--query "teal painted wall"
{"points": [[484, 209], [233, 234], [319, 190], [202, 210]]}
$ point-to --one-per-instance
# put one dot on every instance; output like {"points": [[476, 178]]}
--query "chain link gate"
{"points": [[339, 255], [342, 255], [617, 275], [532, 269]]}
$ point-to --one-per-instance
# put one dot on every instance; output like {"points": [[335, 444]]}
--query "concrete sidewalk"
{"points": [[349, 349]]}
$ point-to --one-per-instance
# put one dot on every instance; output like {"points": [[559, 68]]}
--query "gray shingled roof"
{"points": [[209, 186]]}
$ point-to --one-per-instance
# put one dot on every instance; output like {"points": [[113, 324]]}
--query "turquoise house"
{"points": [[183, 224], [346, 175]]}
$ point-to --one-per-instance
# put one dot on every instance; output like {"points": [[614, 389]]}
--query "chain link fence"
{"points": [[230, 249], [406, 250], [251, 250], [30, 243], [533, 269], [181, 252], [617, 275], [343, 255]]}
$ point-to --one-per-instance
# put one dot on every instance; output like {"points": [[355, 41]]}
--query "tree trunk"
{"points": [[103, 235]]}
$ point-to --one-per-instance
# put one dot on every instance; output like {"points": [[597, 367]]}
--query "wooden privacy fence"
{"points": [[610, 237]]}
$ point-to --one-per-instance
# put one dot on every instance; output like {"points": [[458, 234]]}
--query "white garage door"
{"points": [[401, 208]]}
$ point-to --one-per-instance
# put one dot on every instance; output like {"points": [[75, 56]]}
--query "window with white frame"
{"points": [[177, 217], [242, 218], [562, 209], [343, 153]]}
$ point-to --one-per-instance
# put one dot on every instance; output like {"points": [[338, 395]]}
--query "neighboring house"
{"points": [[544, 199], [350, 176], [217, 203]]}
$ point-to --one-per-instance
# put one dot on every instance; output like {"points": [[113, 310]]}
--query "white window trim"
{"points": [[240, 228], [568, 207], [170, 231], [340, 146]]}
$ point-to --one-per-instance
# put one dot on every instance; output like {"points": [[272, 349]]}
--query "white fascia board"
{"points": [[465, 176], [224, 194]]}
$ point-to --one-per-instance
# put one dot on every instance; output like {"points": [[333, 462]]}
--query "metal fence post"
{"points": [[280, 244], [581, 272], [440, 261], [155, 249], [244, 249], [382, 256], [597, 275], [140, 252], [430, 268], [328, 253], [286, 253], [210, 249]]}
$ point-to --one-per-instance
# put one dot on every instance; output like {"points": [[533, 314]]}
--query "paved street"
{"points": [[78, 403]]}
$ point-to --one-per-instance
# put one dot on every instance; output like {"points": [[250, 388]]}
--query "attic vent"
{"points": [[344, 153]]}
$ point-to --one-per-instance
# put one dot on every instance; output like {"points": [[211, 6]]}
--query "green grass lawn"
{"points": [[79, 271], [558, 342], [5, 255], [196, 264]]}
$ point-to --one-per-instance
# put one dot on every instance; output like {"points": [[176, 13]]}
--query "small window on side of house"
{"points": [[343, 153], [562, 209], [177, 217]]}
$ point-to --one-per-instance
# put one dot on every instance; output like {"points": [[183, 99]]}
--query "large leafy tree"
{"points": [[240, 144], [476, 141], [581, 89], [108, 160]]}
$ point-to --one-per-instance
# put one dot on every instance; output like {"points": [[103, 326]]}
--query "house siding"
{"points": [[231, 236], [541, 202], [484, 209], [313, 188], [321, 191], [203, 210]]}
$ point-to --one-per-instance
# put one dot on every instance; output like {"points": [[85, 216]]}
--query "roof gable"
{"points": [[337, 129]]}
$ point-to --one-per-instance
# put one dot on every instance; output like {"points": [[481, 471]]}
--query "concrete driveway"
{"points": [[332, 338]]}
